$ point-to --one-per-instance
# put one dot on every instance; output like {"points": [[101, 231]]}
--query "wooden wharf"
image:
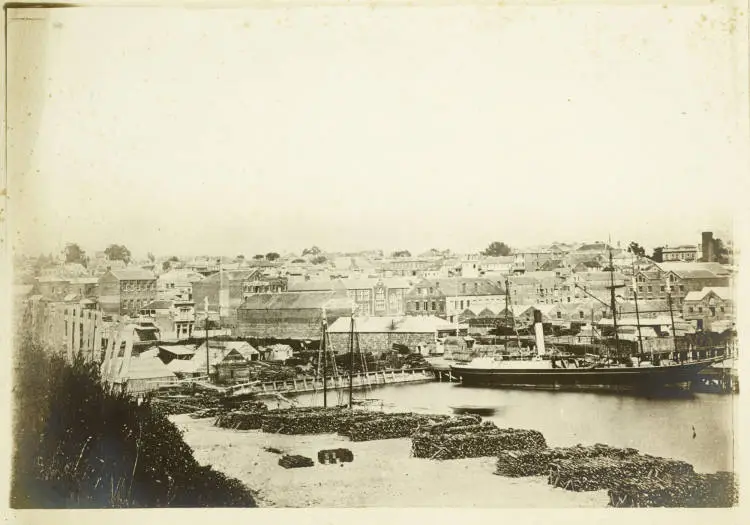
{"points": [[340, 382]]}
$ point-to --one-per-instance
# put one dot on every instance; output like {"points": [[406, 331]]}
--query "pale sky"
{"points": [[231, 131]]}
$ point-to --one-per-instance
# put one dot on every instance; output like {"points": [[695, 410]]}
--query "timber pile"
{"points": [[456, 421], [486, 426], [600, 473], [334, 456], [718, 490], [520, 463], [481, 442], [240, 420], [266, 372], [183, 404], [319, 421], [388, 426], [206, 412], [293, 461]]}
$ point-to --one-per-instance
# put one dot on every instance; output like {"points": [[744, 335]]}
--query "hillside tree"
{"points": [[636, 249], [75, 254], [497, 249], [116, 252], [272, 256]]}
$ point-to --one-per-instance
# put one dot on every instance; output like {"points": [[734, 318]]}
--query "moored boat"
{"points": [[545, 374]]}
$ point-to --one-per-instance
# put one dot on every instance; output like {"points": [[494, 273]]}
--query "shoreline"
{"points": [[383, 473]]}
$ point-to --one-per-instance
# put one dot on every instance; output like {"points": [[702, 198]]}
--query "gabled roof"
{"points": [[133, 274], [296, 301], [146, 368], [473, 286], [178, 349], [320, 285], [230, 275], [722, 292], [159, 304]]}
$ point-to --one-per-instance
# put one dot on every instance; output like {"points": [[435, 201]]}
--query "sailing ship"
{"points": [[327, 360], [557, 371]]}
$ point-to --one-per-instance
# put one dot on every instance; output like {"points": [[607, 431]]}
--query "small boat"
{"points": [[476, 410]]}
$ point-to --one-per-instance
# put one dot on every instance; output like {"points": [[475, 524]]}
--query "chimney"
{"points": [[708, 246], [538, 332]]}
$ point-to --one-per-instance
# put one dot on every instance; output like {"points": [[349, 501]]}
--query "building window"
{"points": [[663, 288], [640, 288], [559, 315], [416, 305], [580, 314], [425, 306], [468, 303], [700, 309], [462, 305], [690, 309], [649, 289], [434, 306], [722, 309]]}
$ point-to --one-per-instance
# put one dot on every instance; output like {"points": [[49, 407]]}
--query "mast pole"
{"points": [[325, 363], [208, 369], [671, 315], [351, 363], [507, 324], [614, 303], [638, 317]]}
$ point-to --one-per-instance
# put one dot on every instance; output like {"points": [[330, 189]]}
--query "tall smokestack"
{"points": [[539, 332], [708, 246]]}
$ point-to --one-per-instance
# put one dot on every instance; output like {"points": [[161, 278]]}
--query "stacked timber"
{"points": [[389, 426], [477, 441], [715, 490], [240, 420], [600, 473], [536, 462], [294, 461]]}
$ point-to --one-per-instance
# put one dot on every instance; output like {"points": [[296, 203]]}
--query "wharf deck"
{"points": [[340, 382]]}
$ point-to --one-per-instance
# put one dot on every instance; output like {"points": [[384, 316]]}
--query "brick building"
{"points": [[447, 298], [379, 334], [290, 315], [125, 292]]}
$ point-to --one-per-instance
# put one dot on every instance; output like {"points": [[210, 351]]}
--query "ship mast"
{"points": [[638, 315], [507, 324], [351, 363], [613, 302]]}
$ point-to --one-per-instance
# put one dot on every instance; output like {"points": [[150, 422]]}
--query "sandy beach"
{"points": [[382, 474]]}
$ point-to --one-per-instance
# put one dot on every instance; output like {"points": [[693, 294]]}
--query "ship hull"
{"points": [[635, 378]]}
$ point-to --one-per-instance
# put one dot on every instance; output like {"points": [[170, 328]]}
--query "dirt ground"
{"points": [[382, 474]]}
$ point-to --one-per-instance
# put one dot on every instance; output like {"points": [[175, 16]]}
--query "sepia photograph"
{"points": [[331, 254]]}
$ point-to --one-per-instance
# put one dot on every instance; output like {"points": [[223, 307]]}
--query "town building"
{"points": [[226, 290], [291, 315], [447, 298], [125, 292], [708, 307], [175, 318], [380, 334], [177, 284], [683, 253], [677, 279]]}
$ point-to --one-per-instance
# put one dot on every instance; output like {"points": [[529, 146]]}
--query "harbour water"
{"points": [[697, 428]]}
